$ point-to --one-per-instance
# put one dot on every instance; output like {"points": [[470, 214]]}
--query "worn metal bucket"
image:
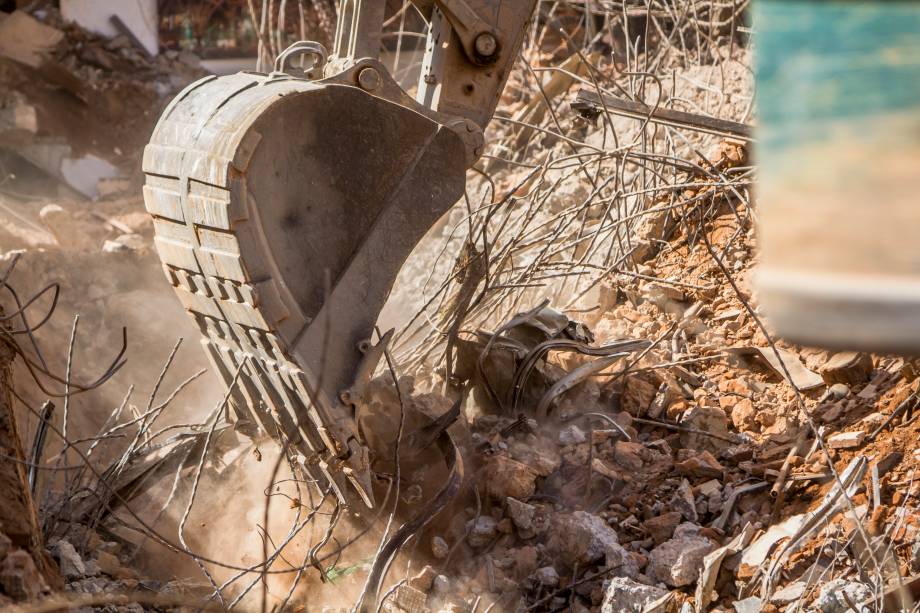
{"points": [[283, 210], [839, 156]]}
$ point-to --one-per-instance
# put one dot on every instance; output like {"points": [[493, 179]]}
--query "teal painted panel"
{"points": [[820, 62]]}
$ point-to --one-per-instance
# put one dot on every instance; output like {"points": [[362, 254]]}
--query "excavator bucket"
{"points": [[283, 211], [284, 205]]}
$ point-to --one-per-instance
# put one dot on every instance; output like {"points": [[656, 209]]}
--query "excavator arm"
{"points": [[285, 203], [470, 50]]}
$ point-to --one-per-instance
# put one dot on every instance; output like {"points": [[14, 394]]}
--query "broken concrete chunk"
{"points": [[131, 241], [628, 455], [735, 387], [743, 415], [440, 586], [546, 576], [482, 531], [624, 594], [439, 548], [872, 421], [712, 566], [831, 412], [92, 54], [624, 563], [71, 563], [521, 513], [682, 501], [791, 593], [713, 486], [655, 291], [798, 374], [748, 605], [20, 578], [677, 562], [701, 465], [910, 370], [915, 555], [714, 503], [710, 420], [84, 173], [755, 554], [666, 297], [687, 528], [26, 40], [848, 367], [108, 564], [572, 435], [888, 461], [504, 477], [661, 528], [642, 250], [129, 26], [599, 437], [544, 461], [424, 580], [610, 472], [834, 595], [737, 453], [115, 247], [638, 395], [112, 186], [838, 391], [581, 538], [872, 388], [846, 440], [17, 117], [525, 561], [69, 232]]}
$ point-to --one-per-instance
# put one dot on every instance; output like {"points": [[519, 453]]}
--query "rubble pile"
{"points": [[106, 568], [77, 108], [633, 437], [75, 551], [686, 478]]}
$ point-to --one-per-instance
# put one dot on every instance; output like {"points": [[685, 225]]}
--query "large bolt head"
{"points": [[369, 79], [486, 45]]}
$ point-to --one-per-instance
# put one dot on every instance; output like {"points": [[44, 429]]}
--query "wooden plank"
{"points": [[588, 101]]}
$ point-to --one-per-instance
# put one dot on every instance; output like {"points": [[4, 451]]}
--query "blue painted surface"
{"points": [[820, 62]]}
